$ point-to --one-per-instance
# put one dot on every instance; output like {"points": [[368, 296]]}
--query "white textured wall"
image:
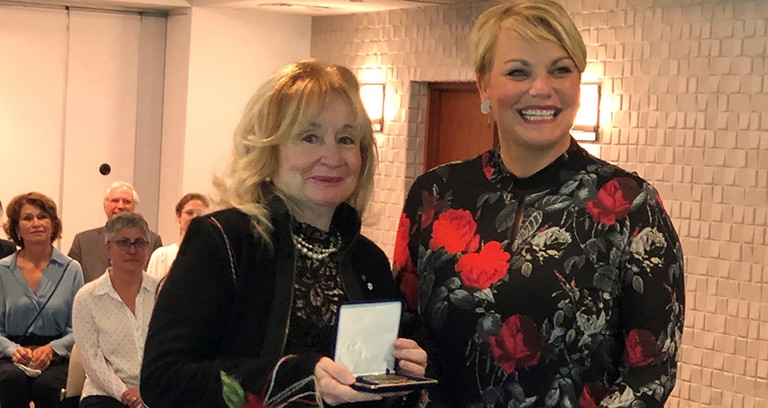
{"points": [[216, 58], [685, 88]]}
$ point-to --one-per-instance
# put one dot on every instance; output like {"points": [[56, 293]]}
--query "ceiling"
{"points": [[304, 7], [320, 7]]}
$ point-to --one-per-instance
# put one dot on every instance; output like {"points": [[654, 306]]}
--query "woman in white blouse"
{"points": [[190, 206], [111, 317]]}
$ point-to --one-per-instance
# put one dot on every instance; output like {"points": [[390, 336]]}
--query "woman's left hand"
{"points": [[41, 357], [412, 358]]}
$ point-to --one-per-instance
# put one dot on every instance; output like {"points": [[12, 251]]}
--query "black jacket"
{"points": [[207, 321], [6, 248]]}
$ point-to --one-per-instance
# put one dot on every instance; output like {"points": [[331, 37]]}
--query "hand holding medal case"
{"points": [[364, 340]]}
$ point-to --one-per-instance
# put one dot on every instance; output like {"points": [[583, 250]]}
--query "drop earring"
{"points": [[485, 106]]}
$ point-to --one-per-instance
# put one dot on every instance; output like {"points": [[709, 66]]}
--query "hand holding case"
{"points": [[364, 340]]}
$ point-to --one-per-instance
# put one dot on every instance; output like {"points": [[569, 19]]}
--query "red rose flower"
{"points": [[455, 231], [518, 344], [592, 394], [402, 255], [613, 201], [429, 206], [409, 286], [640, 348], [253, 401], [487, 169], [483, 269]]}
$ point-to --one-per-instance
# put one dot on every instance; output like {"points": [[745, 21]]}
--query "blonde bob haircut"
{"points": [[280, 109], [535, 20]]}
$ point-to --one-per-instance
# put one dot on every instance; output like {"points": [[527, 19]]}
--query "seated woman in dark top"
{"points": [[248, 312]]}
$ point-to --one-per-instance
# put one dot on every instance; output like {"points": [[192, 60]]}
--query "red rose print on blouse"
{"points": [[455, 231], [640, 348], [518, 344], [430, 206], [592, 394], [487, 169], [409, 286], [613, 201], [402, 255], [483, 269]]}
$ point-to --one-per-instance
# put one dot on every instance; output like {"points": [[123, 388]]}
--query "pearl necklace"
{"points": [[315, 251]]}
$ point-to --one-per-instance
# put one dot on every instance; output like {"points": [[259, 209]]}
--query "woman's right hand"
{"points": [[132, 398], [333, 384], [22, 355]]}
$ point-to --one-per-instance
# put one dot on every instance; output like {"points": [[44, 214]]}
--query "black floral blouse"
{"points": [[562, 289]]}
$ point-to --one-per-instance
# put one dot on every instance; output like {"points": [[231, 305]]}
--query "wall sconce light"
{"points": [[587, 121], [373, 101]]}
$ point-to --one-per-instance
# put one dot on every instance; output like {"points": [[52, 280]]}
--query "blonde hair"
{"points": [[535, 20], [279, 109]]}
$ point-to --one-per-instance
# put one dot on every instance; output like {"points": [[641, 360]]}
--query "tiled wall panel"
{"points": [[685, 104]]}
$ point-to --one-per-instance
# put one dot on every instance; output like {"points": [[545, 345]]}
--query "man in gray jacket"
{"points": [[88, 246]]}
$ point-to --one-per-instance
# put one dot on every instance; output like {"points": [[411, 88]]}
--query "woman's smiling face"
{"points": [[533, 90], [319, 168]]}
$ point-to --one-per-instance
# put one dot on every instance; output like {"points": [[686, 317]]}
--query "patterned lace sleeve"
{"points": [[651, 306]]}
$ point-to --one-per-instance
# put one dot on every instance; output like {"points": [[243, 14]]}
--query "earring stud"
{"points": [[485, 106]]}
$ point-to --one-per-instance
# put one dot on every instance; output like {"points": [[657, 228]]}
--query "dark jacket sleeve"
{"points": [[184, 361]]}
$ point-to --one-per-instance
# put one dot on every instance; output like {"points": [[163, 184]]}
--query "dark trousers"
{"points": [[100, 401], [17, 390]]}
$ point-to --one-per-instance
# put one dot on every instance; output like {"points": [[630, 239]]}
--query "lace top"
{"points": [[317, 293]]}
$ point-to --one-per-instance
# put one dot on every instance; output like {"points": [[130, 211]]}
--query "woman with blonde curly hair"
{"points": [[248, 312]]}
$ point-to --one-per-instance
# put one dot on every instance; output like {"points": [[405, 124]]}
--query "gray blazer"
{"points": [[88, 249]]}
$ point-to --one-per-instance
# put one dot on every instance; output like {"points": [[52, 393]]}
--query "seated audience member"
{"points": [[37, 287], [111, 316], [88, 246], [6, 247], [190, 206]]}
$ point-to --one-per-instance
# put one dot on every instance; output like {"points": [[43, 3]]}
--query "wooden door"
{"points": [[456, 129]]}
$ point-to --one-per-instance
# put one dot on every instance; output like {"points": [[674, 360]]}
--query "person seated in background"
{"points": [[37, 287], [88, 246], [190, 206], [111, 316], [6, 247], [248, 310]]}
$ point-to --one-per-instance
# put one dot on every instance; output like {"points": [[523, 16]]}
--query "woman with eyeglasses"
{"points": [[111, 316], [37, 286]]}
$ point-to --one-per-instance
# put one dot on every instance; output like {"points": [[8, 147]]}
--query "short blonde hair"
{"points": [[279, 109], [536, 20]]}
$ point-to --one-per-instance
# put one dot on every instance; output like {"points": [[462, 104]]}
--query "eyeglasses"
{"points": [[125, 243]]}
